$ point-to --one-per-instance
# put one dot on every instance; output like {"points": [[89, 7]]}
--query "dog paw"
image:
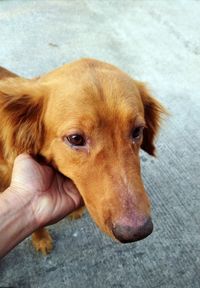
{"points": [[77, 214], [42, 241]]}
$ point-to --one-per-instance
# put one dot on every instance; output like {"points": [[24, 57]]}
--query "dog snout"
{"points": [[130, 233]]}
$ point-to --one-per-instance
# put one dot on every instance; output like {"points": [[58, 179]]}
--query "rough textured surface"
{"points": [[156, 41]]}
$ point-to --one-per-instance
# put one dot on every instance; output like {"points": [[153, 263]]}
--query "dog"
{"points": [[87, 119]]}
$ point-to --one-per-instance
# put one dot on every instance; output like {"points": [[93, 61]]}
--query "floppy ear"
{"points": [[21, 114], [4, 73], [153, 111]]}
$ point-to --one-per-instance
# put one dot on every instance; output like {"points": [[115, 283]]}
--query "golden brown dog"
{"points": [[89, 120]]}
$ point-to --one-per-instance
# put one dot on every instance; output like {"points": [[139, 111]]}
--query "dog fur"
{"points": [[99, 101]]}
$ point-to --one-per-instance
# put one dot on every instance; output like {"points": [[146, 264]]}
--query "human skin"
{"points": [[37, 196]]}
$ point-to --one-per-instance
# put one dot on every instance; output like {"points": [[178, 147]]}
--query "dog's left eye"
{"points": [[137, 133], [76, 140]]}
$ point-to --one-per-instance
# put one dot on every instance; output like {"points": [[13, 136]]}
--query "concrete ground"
{"points": [[157, 41]]}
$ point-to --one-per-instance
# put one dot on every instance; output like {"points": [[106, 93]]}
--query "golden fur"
{"points": [[103, 103]]}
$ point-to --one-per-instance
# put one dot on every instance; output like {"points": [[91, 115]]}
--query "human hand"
{"points": [[50, 195]]}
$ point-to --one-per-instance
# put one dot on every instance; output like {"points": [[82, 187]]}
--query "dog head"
{"points": [[89, 119]]}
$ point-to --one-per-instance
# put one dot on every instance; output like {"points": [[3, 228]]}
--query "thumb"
{"points": [[28, 173], [21, 168]]}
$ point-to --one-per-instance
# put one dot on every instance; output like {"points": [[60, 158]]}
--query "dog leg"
{"points": [[77, 214], [42, 241]]}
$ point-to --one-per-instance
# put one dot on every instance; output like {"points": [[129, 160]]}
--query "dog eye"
{"points": [[76, 140], [137, 133]]}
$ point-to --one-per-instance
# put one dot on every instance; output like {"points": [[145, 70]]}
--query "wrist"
{"points": [[17, 220], [22, 206]]}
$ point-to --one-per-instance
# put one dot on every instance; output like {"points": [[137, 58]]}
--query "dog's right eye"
{"points": [[137, 133], [76, 140]]}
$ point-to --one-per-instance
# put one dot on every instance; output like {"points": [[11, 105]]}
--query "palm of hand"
{"points": [[52, 195]]}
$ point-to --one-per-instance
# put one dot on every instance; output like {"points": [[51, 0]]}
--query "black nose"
{"points": [[126, 234]]}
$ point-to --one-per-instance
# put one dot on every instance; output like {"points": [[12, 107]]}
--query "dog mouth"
{"points": [[68, 182], [124, 233]]}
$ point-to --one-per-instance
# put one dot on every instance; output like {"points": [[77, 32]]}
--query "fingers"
{"points": [[70, 188], [58, 195], [70, 202]]}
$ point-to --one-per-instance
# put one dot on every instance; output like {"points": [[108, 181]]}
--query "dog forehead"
{"points": [[97, 94], [95, 85]]}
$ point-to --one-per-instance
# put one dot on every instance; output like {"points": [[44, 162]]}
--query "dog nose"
{"points": [[127, 234]]}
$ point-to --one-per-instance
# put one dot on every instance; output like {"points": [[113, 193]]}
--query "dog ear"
{"points": [[153, 112], [21, 113], [4, 73]]}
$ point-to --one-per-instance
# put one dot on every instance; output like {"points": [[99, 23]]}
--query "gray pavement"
{"points": [[156, 41]]}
